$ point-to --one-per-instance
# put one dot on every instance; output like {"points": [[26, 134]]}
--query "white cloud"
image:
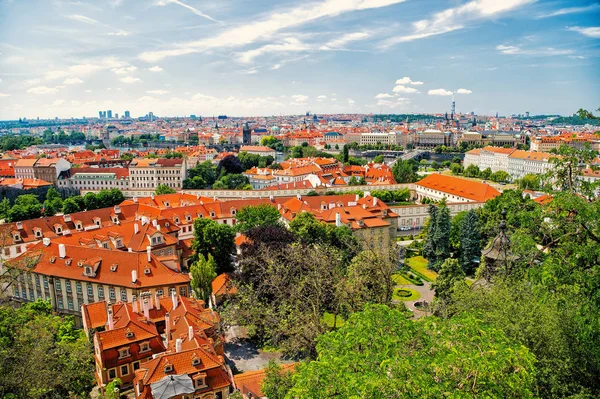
{"points": [[404, 89], [592, 31], [4, 95], [321, 97], [408, 81], [289, 44], [158, 92], [463, 91], [439, 92], [124, 70], [130, 79], [82, 18], [87, 91], [275, 67], [455, 18], [568, 10], [517, 50], [57, 103], [42, 90], [265, 28], [340, 42], [299, 99], [72, 81], [32, 81], [155, 68], [351, 101], [577, 57], [396, 103], [182, 4], [384, 95], [119, 33], [85, 69]]}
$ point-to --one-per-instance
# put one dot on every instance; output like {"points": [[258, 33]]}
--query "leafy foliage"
{"points": [[164, 189], [215, 239], [203, 272], [250, 217]]}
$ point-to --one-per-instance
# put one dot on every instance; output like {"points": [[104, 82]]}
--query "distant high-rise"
{"points": [[109, 114], [246, 134], [116, 116], [527, 114], [127, 115], [100, 114], [151, 116]]}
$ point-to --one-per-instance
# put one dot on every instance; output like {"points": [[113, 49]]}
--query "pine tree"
{"points": [[429, 248], [470, 243], [345, 153], [203, 273], [441, 237]]}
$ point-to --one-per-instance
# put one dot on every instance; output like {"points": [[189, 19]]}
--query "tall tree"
{"points": [[450, 274], [250, 217], [441, 237], [470, 243], [215, 239], [430, 229], [203, 272], [345, 153], [164, 189], [404, 171], [379, 353], [277, 381]]}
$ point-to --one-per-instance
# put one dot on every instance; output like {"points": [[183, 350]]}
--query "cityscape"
{"points": [[299, 200]]}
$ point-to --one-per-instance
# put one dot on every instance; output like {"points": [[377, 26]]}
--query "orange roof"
{"points": [[256, 148], [251, 381], [451, 185], [530, 155], [498, 150]]}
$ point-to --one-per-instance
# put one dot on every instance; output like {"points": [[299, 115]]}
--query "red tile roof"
{"points": [[451, 185]]}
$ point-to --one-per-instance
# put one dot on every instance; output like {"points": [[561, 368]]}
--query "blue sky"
{"points": [[258, 57]]}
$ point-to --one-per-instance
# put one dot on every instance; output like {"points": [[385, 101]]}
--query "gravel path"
{"points": [[426, 295]]}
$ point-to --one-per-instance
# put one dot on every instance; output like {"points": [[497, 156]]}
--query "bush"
{"points": [[403, 293]]}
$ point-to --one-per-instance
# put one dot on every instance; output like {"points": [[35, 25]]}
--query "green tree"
{"points": [[405, 171], [42, 355], [451, 274], [456, 169], [164, 189], [485, 174], [26, 207], [250, 217], [430, 230], [529, 182], [472, 171], [470, 243], [212, 238], [379, 353], [70, 205], [277, 382], [353, 181], [379, 158], [441, 237], [113, 389], [4, 209], [500, 176], [203, 272], [345, 153]]}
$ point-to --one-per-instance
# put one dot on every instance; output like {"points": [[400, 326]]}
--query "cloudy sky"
{"points": [[259, 57]]}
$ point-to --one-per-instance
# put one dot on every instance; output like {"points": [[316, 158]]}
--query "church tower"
{"points": [[246, 134]]}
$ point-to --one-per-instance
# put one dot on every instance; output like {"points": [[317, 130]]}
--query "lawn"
{"points": [[414, 295], [328, 319], [400, 279], [419, 265]]}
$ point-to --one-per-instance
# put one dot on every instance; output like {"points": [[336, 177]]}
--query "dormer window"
{"points": [[212, 214], [188, 218], [168, 368], [200, 380], [176, 220], [147, 270], [78, 226], [97, 221], [167, 204], [167, 224], [17, 236], [144, 347], [196, 361], [115, 220], [88, 270], [129, 334], [58, 230], [53, 259], [119, 243], [124, 352], [38, 233], [113, 267]]}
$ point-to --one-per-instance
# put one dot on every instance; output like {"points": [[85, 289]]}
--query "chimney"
{"points": [[167, 327], [174, 299], [338, 220], [129, 250], [158, 227], [152, 196], [357, 198], [146, 308], [135, 305], [133, 276], [150, 301], [111, 324], [157, 301], [178, 343], [190, 333], [62, 251], [154, 222], [374, 201], [136, 228], [46, 241], [149, 252], [135, 199], [299, 197]]}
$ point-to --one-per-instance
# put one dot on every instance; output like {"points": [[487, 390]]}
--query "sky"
{"points": [[65, 59]]}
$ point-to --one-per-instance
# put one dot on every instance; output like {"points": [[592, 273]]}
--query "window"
{"points": [[70, 303], [159, 292], [136, 365], [45, 280], [59, 303], [68, 285], [182, 291], [111, 293], [57, 285], [78, 287], [90, 291], [124, 352], [112, 374], [123, 294], [101, 292], [144, 347], [172, 291]]}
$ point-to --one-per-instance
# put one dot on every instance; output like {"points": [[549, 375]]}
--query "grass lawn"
{"points": [[419, 264], [400, 279], [414, 295], [328, 319]]}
